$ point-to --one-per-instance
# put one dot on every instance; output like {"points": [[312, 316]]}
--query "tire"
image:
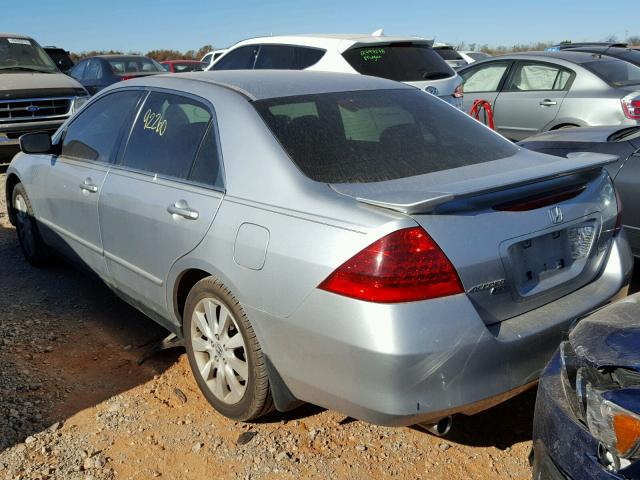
{"points": [[33, 247], [222, 353]]}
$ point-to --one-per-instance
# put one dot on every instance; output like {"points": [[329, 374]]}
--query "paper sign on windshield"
{"points": [[21, 41]]}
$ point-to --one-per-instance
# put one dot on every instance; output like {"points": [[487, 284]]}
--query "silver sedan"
{"points": [[338, 239], [540, 91]]}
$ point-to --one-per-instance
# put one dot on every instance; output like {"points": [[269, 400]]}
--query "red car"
{"points": [[179, 66]]}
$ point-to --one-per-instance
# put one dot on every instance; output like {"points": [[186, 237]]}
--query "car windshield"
{"points": [[23, 54], [403, 62], [478, 55], [132, 65], [448, 53], [189, 67], [377, 135], [615, 72]]}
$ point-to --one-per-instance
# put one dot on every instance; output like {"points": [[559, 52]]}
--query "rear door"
{"points": [[72, 182], [159, 200], [484, 82], [531, 98]]}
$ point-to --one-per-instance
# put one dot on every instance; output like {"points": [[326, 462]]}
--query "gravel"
{"points": [[74, 404]]}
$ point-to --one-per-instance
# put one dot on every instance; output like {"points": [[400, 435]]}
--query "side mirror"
{"points": [[36, 142]]}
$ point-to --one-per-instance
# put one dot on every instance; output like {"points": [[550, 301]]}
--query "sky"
{"points": [[143, 25]]}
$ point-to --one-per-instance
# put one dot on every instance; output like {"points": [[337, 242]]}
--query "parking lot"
{"points": [[334, 244], [69, 352]]}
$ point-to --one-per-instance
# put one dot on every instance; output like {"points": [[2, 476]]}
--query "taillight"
{"points": [[404, 266], [631, 106], [126, 77], [619, 215], [459, 91]]}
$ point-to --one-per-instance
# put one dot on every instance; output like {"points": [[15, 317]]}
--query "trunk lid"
{"points": [[521, 231]]}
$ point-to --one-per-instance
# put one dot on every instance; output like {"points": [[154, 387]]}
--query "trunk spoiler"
{"points": [[423, 193]]}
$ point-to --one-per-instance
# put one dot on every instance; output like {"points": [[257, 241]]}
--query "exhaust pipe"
{"points": [[440, 428]]}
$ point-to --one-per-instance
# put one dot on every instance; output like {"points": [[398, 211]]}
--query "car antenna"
{"points": [[378, 33], [605, 50]]}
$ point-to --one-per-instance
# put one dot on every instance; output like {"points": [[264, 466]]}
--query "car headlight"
{"points": [[616, 427], [78, 102], [597, 398]]}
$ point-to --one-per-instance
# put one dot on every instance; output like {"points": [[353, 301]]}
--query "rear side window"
{"points": [[94, 134], [538, 77], [615, 72], [281, 57], [308, 57], [448, 53], [167, 135], [239, 59], [404, 62], [377, 135], [207, 166], [485, 78]]}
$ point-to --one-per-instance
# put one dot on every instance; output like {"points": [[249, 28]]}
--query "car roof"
{"points": [[14, 35], [333, 39], [578, 58], [263, 84], [119, 57]]}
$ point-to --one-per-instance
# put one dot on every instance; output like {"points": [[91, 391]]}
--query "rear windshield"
{"points": [[448, 53], [377, 135], [132, 65], [404, 62], [615, 72]]}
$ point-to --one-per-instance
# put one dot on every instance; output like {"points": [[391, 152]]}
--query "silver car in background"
{"points": [[337, 239], [539, 91]]}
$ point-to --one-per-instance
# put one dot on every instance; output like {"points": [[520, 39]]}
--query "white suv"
{"points": [[410, 60]]}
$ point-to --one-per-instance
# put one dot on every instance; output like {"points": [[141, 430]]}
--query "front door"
{"points": [[72, 182], [483, 82], [160, 198], [531, 98]]}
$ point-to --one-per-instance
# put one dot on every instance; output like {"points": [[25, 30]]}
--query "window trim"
{"points": [[59, 136], [126, 137], [503, 80], [519, 62]]}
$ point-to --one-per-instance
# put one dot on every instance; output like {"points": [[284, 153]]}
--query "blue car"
{"points": [[587, 417]]}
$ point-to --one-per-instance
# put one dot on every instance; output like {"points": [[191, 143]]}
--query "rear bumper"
{"points": [[417, 362]]}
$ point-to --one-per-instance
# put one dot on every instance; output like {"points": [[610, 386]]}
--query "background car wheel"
{"points": [[31, 243], [224, 353]]}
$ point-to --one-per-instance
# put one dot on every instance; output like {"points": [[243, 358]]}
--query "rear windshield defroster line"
{"points": [[377, 135]]}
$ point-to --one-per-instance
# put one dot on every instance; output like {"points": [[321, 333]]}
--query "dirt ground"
{"points": [[75, 404]]}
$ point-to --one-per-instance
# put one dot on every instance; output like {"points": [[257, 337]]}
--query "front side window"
{"points": [[78, 71], [404, 62], [239, 59], [94, 134], [486, 78], [537, 77], [94, 70], [377, 135], [167, 135]]}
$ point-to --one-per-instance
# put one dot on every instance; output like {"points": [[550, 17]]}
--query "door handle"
{"points": [[548, 103], [87, 186], [182, 209]]}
